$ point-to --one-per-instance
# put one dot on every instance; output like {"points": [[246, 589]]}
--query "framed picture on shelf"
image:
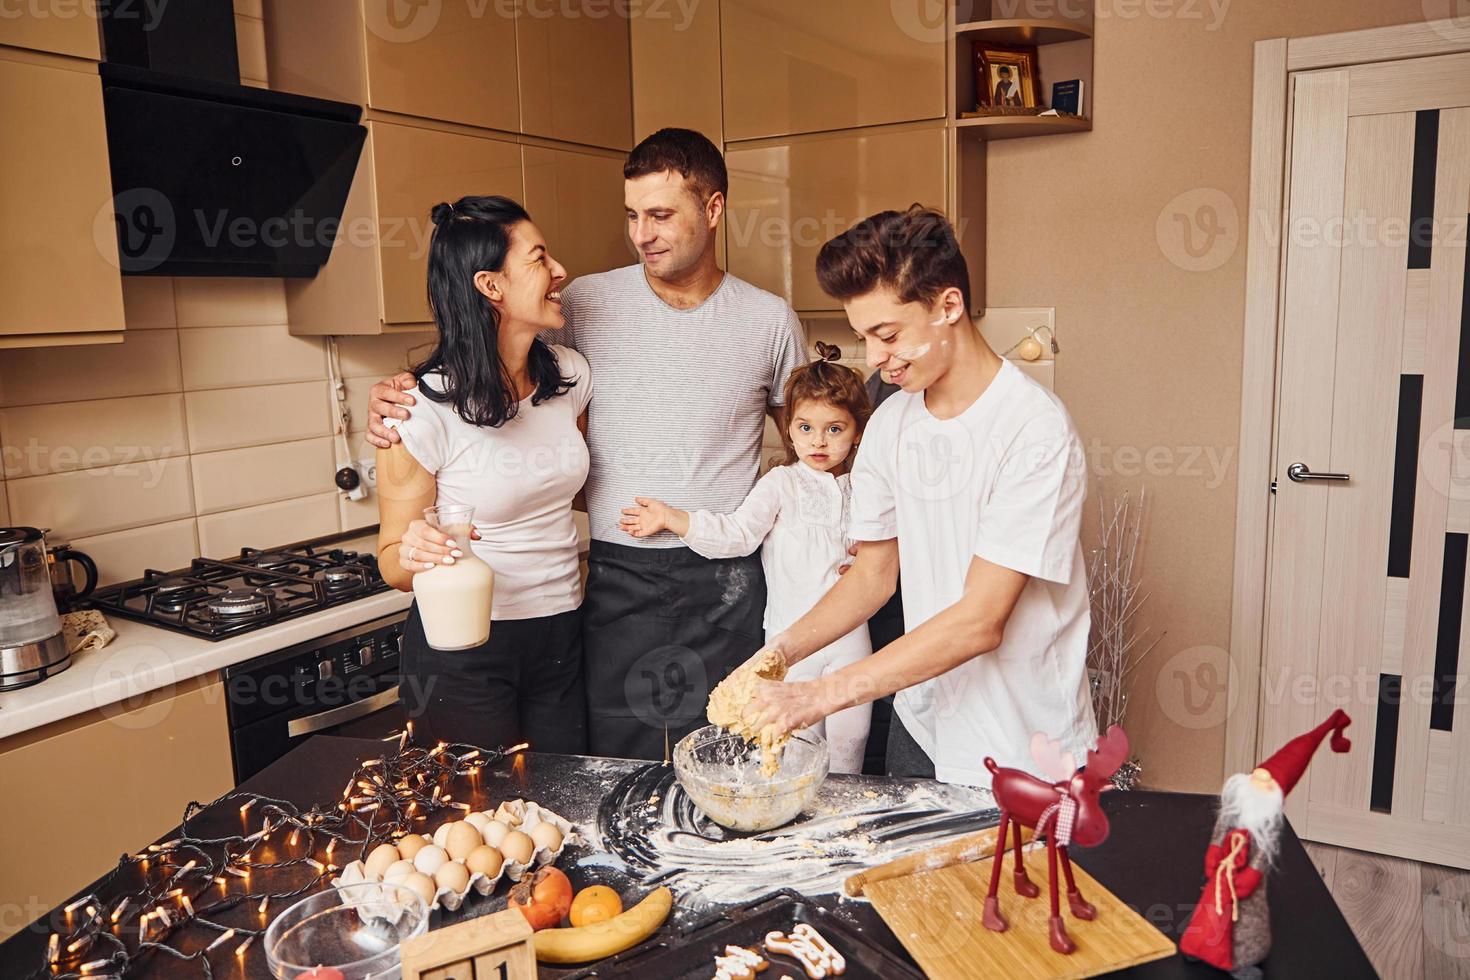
{"points": [[1005, 79]]}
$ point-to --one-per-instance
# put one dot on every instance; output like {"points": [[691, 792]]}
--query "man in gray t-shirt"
{"points": [[686, 362]]}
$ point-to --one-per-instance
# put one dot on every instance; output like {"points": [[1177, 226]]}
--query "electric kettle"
{"points": [[31, 644]]}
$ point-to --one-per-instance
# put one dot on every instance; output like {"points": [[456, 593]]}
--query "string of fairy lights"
{"points": [[189, 879]]}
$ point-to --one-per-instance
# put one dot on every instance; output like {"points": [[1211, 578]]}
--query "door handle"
{"points": [[340, 716], [1299, 473]]}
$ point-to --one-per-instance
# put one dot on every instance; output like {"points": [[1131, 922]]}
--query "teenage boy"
{"points": [[971, 481], [687, 361]]}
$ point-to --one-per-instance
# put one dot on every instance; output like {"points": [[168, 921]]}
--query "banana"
{"points": [[582, 944]]}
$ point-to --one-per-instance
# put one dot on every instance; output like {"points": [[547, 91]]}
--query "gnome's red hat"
{"points": [[1291, 760]]}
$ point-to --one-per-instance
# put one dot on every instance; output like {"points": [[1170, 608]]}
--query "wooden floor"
{"points": [[1413, 919]]}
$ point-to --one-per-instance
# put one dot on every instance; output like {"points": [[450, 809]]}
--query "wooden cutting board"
{"points": [[936, 915]]}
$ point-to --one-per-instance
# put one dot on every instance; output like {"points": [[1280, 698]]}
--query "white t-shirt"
{"points": [[1003, 481], [520, 478]]}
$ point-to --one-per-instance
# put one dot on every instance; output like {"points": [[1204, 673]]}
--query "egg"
{"points": [[422, 885], [479, 820], [518, 847], [546, 834], [511, 813], [495, 832], [397, 870], [378, 861], [442, 834], [484, 860], [462, 838], [453, 875], [411, 844], [429, 857]]}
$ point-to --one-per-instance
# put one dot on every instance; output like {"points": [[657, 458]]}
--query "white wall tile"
{"points": [[145, 363], [383, 355], [148, 303], [288, 521], [232, 418], [40, 439], [114, 498], [124, 555], [245, 477], [234, 302], [237, 357]]}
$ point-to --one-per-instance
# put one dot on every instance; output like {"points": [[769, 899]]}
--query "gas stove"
{"points": [[215, 598]]}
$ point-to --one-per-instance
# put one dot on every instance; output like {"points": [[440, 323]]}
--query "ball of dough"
{"points": [[378, 861], [546, 834], [453, 875], [462, 838], [429, 858], [421, 885], [518, 847], [485, 860]]}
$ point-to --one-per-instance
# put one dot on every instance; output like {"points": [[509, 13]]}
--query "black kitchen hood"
{"points": [[210, 177]]}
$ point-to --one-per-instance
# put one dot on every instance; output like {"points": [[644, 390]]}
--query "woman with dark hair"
{"points": [[501, 427]]}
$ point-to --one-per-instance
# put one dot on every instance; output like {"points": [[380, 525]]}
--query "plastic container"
{"points": [[354, 929], [721, 773]]}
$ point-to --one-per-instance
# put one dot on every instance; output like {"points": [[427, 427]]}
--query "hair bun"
{"points": [[828, 352], [441, 213]]}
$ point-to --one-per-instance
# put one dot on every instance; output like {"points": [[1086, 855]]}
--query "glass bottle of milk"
{"points": [[454, 600]]}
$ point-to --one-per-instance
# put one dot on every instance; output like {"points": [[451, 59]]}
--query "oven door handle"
{"points": [[332, 717]]}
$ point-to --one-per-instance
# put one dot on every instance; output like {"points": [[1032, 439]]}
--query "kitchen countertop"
{"points": [[146, 658], [1152, 861]]}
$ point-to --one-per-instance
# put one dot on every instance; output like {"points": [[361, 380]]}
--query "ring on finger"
{"points": [[410, 552]]}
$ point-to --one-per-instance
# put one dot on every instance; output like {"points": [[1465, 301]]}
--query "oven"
{"points": [[345, 683]]}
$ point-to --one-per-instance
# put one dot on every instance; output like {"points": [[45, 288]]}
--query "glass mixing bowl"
{"points": [[722, 775], [355, 930]]}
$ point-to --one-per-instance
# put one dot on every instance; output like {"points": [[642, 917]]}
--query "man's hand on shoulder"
{"points": [[388, 399]]}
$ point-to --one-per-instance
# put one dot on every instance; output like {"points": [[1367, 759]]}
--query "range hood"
{"points": [[211, 177]]}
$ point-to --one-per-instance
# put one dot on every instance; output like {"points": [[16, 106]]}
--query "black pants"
{"points": [[905, 757], [884, 627], [661, 627], [522, 685]]}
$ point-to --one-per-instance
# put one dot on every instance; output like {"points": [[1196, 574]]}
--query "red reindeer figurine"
{"points": [[1066, 811]]}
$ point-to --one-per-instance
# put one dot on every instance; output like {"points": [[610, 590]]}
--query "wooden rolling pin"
{"points": [[969, 848]]}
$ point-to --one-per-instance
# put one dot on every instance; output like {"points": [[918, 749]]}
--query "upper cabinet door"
{"points": [[787, 199], [576, 199], [454, 61], [64, 28], [58, 246], [808, 66], [416, 169], [576, 72]]}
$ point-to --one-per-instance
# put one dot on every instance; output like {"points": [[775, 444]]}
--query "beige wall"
{"points": [[1151, 351], [208, 429]]}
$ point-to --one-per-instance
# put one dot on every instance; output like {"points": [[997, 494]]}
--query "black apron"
{"points": [[661, 627]]}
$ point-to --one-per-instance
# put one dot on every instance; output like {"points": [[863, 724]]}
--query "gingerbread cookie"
{"points": [[818, 957], [739, 963]]}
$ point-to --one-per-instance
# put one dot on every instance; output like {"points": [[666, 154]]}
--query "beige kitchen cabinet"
{"points": [[576, 199], [375, 279], [685, 48], [821, 65], [58, 244], [454, 62], [107, 782], [576, 73], [59, 28], [788, 197]]}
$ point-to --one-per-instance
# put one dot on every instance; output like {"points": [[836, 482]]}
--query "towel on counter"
{"points": [[86, 630]]}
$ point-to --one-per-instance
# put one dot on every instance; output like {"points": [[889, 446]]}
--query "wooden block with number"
{"points": [[491, 947]]}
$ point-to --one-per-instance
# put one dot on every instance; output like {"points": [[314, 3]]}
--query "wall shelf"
{"points": [[1014, 127], [1024, 31]]}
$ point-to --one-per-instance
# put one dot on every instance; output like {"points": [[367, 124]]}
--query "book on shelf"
{"points": [[1066, 97]]}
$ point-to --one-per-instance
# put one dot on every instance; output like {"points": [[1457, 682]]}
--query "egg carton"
{"points": [[479, 882]]}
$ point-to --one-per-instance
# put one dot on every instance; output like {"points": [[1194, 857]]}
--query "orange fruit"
{"points": [[595, 903]]}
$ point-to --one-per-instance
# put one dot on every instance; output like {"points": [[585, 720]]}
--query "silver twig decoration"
{"points": [[1114, 586]]}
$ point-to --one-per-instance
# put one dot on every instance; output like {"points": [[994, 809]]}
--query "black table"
{"points": [[1153, 861]]}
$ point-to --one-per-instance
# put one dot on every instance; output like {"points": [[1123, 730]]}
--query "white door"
{"points": [[1367, 603]]}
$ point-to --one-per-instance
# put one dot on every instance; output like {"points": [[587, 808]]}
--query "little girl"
{"points": [[800, 511]]}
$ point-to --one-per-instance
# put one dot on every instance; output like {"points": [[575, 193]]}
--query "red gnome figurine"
{"points": [[1231, 927]]}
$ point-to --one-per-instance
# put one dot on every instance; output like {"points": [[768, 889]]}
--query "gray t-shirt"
{"points": [[681, 394]]}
